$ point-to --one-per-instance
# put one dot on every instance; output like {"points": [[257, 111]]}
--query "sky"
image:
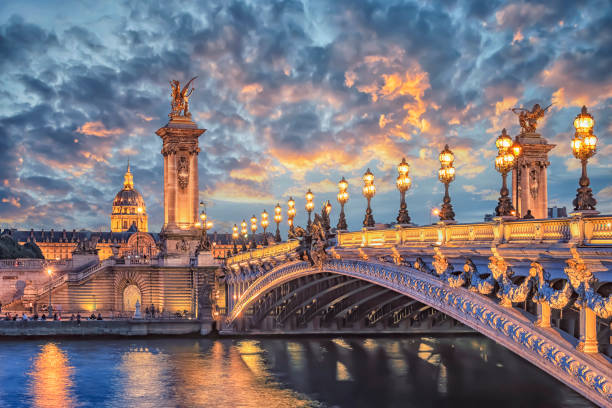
{"points": [[294, 95]]}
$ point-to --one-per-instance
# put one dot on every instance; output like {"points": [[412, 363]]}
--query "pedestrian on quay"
{"points": [[147, 312], [99, 316], [43, 317], [78, 319], [35, 317], [54, 316], [72, 318], [153, 311], [24, 317]]}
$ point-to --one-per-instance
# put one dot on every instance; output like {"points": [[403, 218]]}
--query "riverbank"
{"points": [[186, 327], [126, 327]]}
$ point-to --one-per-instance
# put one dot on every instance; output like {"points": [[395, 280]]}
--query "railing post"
{"points": [[588, 330], [577, 229], [543, 315]]}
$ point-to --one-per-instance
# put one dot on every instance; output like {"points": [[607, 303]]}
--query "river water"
{"points": [[469, 371]]}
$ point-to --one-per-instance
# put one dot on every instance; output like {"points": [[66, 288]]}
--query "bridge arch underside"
{"points": [[327, 301], [371, 285]]}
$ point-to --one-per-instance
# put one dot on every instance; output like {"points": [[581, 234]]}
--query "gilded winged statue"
{"points": [[180, 98], [528, 119]]}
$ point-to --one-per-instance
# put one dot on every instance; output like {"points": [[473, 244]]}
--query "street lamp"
{"points": [[403, 184], [343, 197], [504, 162], [50, 307], [278, 217], [368, 191], [290, 214], [235, 237], [243, 231], [446, 175], [264, 225], [253, 229], [584, 146], [309, 205]]}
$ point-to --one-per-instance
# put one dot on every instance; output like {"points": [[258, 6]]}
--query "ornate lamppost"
{"points": [[584, 146], [264, 225], [343, 197], [243, 231], [309, 205], [234, 238], [504, 162], [253, 229], [290, 215], [403, 184], [278, 217], [446, 175], [368, 192]]}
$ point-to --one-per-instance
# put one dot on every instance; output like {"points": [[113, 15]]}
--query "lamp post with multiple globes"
{"points": [[243, 232], [278, 217], [446, 175], [584, 146], [504, 162], [403, 184], [343, 197], [290, 215], [309, 205], [264, 225], [253, 229], [368, 192], [235, 237]]}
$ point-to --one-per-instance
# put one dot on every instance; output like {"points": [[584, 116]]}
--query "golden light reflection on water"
{"points": [[50, 380], [144, 378], [230, 375]]}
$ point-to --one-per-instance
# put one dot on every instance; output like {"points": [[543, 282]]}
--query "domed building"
{"points": [[129, 207]]}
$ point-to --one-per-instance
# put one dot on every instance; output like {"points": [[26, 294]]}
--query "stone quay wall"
{"points": [[104, 328]]}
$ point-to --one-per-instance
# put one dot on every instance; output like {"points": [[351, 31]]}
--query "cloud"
{"points": [[98, 129]]}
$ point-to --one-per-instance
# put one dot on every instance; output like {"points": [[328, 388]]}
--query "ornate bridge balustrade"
{"points": [[523, 283]]}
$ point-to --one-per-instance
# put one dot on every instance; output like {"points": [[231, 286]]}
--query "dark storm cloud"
{"points": [[20, 41]]}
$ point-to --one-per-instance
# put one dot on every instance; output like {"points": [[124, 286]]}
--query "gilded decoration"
{"points": [[556, 299], [183, 172], [528, 119], [180, 98]]}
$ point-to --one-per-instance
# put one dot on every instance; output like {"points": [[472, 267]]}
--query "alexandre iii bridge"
{"points": [[521, 283]]}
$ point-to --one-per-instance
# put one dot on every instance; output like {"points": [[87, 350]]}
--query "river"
{"points": [[420, 371]]}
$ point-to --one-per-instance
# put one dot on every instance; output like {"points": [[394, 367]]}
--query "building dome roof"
{"points": [[128, 197]]}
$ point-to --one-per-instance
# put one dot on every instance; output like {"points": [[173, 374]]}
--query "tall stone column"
{"points": [[529, 180], [180, 151]]}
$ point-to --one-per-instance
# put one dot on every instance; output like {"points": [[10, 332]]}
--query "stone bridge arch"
{"points": [[543, 347]]}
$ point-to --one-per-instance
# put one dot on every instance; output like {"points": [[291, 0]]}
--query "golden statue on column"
{"points": [[180, 98]]}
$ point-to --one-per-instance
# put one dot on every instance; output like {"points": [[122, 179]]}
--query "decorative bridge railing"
{"points": [[490, 272]]}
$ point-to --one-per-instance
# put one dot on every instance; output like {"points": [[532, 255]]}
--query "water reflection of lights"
{"points": [[342, 343], [229, 375], [51, 378], [143, 379], [342, 373]]}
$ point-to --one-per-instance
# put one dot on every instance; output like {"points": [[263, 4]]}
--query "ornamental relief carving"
{"points": [[183, 172]]}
